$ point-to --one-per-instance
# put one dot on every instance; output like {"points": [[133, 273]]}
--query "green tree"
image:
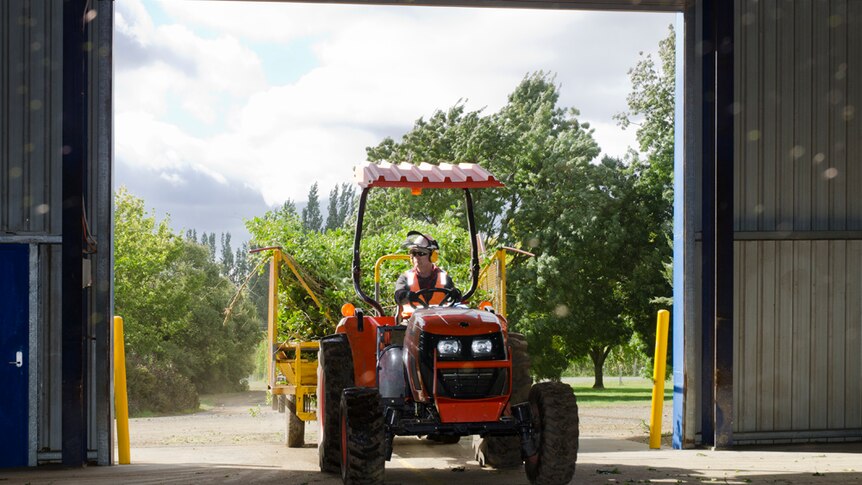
{"points": [[227, 259], [332, 219], [312, 220], [325, 258], [172, 299], [542, 152], [346, 204], [651, 108]]}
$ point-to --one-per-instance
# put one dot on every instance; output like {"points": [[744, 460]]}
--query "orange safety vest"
{"points": [[436, 297]]}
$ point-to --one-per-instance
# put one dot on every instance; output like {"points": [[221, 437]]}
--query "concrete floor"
{"points": [[601, 461]]}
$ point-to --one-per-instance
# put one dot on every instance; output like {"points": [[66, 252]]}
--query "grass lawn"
{"points": [[634, 390]]}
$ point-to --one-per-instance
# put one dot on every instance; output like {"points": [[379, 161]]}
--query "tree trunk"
{"points": [[598, 356]]}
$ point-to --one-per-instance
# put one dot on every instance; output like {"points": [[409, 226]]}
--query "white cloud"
{"points": [[378, 69]]}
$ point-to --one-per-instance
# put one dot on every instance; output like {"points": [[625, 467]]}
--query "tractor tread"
{"points": [[335, 372], [364, 458], [555, 419]]}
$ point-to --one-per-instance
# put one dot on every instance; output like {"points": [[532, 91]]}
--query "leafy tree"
{"points": [[227, 259], [312, 220], [346, 203], [289, 206], [542, 152], [172, 298], [519, 144], [208, 241], [652, 102], [332, 210], [325, 258], [341, 202], [652, 98]]}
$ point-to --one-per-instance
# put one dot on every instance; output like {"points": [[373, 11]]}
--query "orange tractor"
{"points": [[445, 372]]}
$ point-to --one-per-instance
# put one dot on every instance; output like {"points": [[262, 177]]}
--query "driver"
{"points": [[424, 274]]}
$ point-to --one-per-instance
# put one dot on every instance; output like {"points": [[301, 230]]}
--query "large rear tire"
{"points": [[363, 437], [505, 451], [555, 429], [334, 374], [295, 427]]}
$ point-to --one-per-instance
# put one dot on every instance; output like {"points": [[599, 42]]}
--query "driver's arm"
{"points": [[402, 291]]}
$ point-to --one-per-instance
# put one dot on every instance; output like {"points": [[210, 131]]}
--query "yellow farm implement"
{"points": [[292, 366]]}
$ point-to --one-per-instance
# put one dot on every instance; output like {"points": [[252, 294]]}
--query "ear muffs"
{"points": [[434, 256]]}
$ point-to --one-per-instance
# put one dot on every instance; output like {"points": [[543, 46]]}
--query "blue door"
{"points": [[14, 331]]}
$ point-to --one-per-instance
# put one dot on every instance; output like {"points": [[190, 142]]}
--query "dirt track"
{"points": [[239, 440]]}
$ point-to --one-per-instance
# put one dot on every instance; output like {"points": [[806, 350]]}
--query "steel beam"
{"points": [[608, 5], [705, 24], [725, 111], [74, 440]]}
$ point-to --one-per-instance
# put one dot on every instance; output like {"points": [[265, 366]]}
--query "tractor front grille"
{"points": [[471, 383]]}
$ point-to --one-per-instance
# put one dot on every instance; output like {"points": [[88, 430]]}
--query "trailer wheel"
{"points": [[294, 427], [505, 451], [363, 437], [555, 429], [334, 373]]}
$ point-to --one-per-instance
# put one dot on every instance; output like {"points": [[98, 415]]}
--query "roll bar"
{"points": [[464, 176]]}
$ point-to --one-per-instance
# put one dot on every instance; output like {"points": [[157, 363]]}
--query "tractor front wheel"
{"points": [[555, 431], [363, 437], [334, 374]]}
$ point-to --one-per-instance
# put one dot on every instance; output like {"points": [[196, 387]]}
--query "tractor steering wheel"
{"points": [[423, 297]]}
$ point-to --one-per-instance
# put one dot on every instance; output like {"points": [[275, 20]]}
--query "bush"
{"points": [[158, 387]]}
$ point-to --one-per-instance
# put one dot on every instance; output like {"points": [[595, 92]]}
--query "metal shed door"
{"points": [[14, 325]]}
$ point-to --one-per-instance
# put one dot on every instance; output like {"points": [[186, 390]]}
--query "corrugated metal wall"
{"points": [[798, 253], [31, 75], [30, 130]]}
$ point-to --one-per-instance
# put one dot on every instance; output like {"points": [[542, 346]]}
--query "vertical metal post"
{"points": [[101, 218], [725, 111], [658, 376], [272, 320], [683, 240], [121, 397], [707, 49], [74, 149], [501, 271]]}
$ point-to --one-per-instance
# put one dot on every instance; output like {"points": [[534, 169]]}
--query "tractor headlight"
{"points": [[482, 346], [448, 347]]}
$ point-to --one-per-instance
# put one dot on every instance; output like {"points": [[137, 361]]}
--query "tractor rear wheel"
{"points": [[505, 451], [363, 437], [295, 427], [555, 431], [334, 374]]}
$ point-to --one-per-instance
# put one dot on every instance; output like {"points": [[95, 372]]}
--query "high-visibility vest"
{"points": [[436, 297]]}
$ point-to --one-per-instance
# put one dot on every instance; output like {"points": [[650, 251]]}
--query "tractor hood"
{"points": [[455, 321]]}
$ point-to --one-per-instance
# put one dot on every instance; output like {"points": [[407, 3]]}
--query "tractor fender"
{"points": [[391, 379]]}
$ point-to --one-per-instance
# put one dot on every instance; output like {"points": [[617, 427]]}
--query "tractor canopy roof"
{"points": [[424, 176]]}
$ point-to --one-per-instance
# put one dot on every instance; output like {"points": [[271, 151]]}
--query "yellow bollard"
{"points": [[121, 398], [658, 379]]}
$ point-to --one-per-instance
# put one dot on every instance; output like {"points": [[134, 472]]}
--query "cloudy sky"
{"points": [[224, 109]]}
